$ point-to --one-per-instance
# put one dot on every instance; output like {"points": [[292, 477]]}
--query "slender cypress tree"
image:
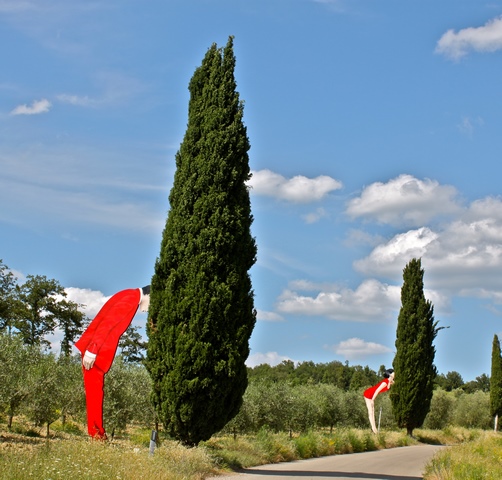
{"points": [[202, 314], [414, 368], [496, 382]]}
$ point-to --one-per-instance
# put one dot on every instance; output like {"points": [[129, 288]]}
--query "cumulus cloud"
{"points": [[464, 254], [272, 358], [356, 348], [298, 189], [487, 38], [37, 107], [404, 199], [91, 300], [371, 301], [388, 259]]}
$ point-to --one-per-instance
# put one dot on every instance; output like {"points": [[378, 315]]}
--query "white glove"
{"points": [[88, 360]]}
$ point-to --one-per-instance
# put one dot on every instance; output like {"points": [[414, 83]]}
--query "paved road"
{"points": [[405, 463]]}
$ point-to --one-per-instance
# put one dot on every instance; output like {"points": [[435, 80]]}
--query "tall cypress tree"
{"points": [[496, 381], [414, 368], [202, 314]]}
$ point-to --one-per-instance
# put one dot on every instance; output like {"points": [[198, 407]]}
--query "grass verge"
{"points": [[480, 458], [69, 453]]}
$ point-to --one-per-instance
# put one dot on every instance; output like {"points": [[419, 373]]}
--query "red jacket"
{"points": [[102, 335], [370, 392]]}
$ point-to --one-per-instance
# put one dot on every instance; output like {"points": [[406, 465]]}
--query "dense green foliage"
{"points": [[202, 313], [496, 379], [415, 372], [44, 388]]}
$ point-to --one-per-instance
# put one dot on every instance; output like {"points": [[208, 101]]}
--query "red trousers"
{"points": [[94, 382]]}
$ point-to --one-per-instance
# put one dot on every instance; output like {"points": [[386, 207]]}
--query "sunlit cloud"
{"points": [[404, 200], [356, 349], [463, 254], [298, 189], [91, 300], [371, 301], [487, 38]]}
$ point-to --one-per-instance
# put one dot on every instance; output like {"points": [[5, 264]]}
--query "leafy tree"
{"points": [[16, 373], [496, 380], [441, 410], [71, 393], [331, 408], [121, 395], [132, 346], [202, 312], [306, 411], [472, 411], [480, 383], [414, 368], [338, 374], [48, 380], [43, 307], [8, 303], [450, 381], [71, 321]]}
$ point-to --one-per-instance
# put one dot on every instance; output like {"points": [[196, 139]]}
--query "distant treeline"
{"points": [[351, 377]]}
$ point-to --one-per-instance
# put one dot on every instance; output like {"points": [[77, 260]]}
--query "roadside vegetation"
{"points": [[26, 453], [480, 458]]}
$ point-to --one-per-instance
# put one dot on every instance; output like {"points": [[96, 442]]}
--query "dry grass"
{"points": [[480, 458], [74, 457], [28, 455]]}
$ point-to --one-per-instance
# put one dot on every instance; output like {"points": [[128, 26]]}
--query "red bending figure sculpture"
{"points": [[371, 393], [98, 346]]}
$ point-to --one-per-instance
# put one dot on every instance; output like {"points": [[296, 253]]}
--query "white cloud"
{"points": [[372, 301], [389, 259], [268, 316], [487, 38], [404, 199], [464, 254], [272, 358], [298, 189], [356, 348], [92, 300], [37, 107]]}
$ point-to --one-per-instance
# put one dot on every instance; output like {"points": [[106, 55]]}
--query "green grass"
{"points": [[26, 454], [480, 458]]}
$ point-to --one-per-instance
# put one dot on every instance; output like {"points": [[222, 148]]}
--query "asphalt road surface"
{"points": [[403, 463]]}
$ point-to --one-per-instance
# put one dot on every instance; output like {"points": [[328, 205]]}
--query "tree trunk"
{"points": [[409, 431]]}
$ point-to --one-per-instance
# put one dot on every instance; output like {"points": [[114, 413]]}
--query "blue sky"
{"points": [[375, 131]]}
